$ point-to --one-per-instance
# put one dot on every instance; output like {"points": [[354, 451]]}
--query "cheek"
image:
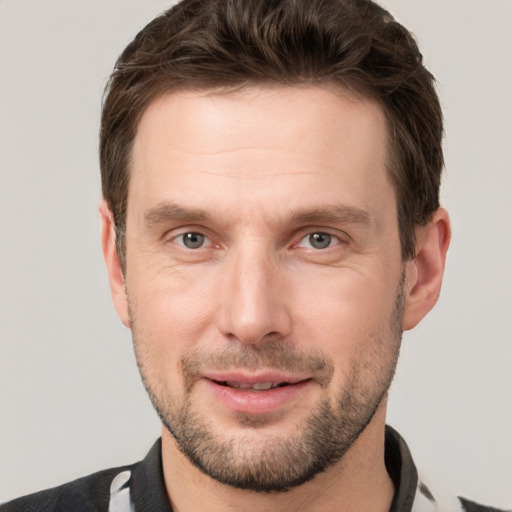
{"points": [[171, 313], [346, 314]]}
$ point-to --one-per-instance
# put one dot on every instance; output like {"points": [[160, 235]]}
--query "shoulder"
{"points": [[87, 494]]}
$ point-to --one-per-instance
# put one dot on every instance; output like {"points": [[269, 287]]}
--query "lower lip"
{"points": [[256, 402]]}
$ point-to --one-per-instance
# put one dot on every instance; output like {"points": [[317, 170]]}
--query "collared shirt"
{"points": [[141, 488]]}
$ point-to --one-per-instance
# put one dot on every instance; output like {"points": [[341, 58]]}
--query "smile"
{"points": [[257, 394], [257, 386]]}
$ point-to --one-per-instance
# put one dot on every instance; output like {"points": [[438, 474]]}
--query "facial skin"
{"points": [[263, 247]]}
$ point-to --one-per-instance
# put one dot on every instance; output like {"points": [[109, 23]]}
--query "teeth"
{"points": [[263, 385], [258, 386]]}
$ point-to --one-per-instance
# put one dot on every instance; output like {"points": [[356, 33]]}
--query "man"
{"points": [[270, 225]]}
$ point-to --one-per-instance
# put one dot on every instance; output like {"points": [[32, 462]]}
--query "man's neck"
{"points": [[359, 481]]}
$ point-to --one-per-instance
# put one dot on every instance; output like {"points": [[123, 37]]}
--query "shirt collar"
{"points": [[149, 493], [401, 470]]}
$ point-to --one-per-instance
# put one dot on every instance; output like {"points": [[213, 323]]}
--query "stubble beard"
{"points": [[276, 464]]}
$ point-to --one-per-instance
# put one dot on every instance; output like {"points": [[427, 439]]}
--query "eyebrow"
{"points": [[340, 214], [334, 214], [167, 212]]}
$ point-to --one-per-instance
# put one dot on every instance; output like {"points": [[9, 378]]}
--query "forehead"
{"points": [[267, 146]]}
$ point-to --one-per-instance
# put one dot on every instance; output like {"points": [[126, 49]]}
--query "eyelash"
{"points": [[192, 233], [311, 236], [318, 237]]}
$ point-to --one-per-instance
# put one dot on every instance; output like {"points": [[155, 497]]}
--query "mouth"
{"points": [[257, 394], [257, 386], [260, 381]]}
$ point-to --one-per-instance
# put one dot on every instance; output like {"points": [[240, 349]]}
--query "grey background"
{"points": [[70, 397]]}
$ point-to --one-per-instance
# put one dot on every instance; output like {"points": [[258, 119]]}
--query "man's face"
{"points": [[264, 276]]}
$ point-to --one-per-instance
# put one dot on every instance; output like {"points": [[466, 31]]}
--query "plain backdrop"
{"points": [[71, 401]]}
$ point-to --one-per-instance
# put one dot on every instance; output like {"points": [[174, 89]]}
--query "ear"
{"points": [[425, 273], [114, 270]]}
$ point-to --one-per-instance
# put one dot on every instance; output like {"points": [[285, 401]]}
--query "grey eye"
{"points": [[193, 240], [320, 240]]}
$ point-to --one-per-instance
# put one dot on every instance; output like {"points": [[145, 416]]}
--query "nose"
{"points": [[254, 303]]}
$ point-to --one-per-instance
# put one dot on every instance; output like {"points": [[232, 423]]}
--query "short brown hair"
{"points": [[354, 44]]}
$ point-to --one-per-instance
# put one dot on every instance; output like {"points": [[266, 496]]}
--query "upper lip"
{"points": [[254, 378]]}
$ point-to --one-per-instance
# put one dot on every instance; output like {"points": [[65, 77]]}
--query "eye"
{"points": [[318, 240], [192, 240]]}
